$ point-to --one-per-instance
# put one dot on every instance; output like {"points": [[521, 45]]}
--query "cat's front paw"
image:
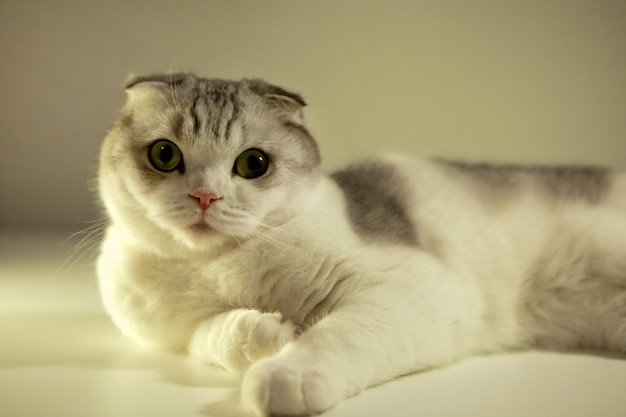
{"points": [[266, 334], [283, 386], [238, 338]]}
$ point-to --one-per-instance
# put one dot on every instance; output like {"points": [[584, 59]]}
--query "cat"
{"points": [[228, 243]]}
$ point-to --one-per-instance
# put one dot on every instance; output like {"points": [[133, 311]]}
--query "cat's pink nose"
{"points": [[204, 198]]}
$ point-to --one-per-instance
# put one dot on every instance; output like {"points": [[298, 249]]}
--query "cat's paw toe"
{"points": [[268, 333], [276, 387]]}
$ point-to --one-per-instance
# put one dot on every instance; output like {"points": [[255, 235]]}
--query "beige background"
{"points": [[541, 81]]}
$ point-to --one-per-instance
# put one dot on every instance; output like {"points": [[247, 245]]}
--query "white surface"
{"points": [[60, 356]]}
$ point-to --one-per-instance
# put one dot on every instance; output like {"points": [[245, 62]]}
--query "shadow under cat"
{"points": [[91, 341], [72, 345]]}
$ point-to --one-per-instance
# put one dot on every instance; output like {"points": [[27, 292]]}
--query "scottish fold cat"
{"points": [[227, 242]]}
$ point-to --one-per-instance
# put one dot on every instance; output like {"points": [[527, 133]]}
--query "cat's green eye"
{"points": [[165, 155], [251, 164]]}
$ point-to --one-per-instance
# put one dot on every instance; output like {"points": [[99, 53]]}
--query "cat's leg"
{"points": [[236, 338], [396, 326]]}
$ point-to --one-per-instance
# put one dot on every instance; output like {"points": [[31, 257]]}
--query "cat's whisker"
{"points": [[260, 239], [177, 105], [164, 99], [275, 220], [261, 236], [85, 247], [278, 227], [236, 240], [92, 225]]}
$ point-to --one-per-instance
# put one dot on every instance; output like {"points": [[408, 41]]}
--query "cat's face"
{"points": [[202, 159]]}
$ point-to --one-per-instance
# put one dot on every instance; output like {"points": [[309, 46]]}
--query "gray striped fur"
{"points": [[374, 198]]}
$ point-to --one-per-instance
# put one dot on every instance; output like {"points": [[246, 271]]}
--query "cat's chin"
{"points": [[201, 236], [201, 231], [201, 228]]}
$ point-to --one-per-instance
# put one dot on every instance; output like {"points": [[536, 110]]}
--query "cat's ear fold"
{"points": [[273, 92], [279, 97], [142, 89], [162, 80]]}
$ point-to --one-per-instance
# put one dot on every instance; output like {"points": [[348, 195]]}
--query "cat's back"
{"points": [[434, 204], [400, 181]]}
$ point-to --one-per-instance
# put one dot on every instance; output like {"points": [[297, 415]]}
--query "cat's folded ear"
{"points": [[290, 103], [167, 80], [276, 95], [142, 89]]}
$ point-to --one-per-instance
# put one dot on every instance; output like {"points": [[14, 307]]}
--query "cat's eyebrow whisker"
{"points": [[168, 103], [163, 98], [174, 88]]}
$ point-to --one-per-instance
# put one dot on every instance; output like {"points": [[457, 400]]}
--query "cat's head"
{"points": [[206, 160]]}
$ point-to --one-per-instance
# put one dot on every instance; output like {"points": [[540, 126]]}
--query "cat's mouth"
{"points": [[200, 227]]}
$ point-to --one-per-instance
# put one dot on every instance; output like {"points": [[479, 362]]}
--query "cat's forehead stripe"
{"points": [[215, 106], [196, 115], [178, 125]]}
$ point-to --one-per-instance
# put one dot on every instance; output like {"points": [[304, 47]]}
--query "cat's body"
{"points": [[316, 287]]}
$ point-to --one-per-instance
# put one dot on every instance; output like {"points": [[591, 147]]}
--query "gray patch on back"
{"points": [[587, 183], [373, 194], [590, 184]]}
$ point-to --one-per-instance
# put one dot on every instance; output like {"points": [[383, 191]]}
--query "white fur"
{"points": [[310, 314]]}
